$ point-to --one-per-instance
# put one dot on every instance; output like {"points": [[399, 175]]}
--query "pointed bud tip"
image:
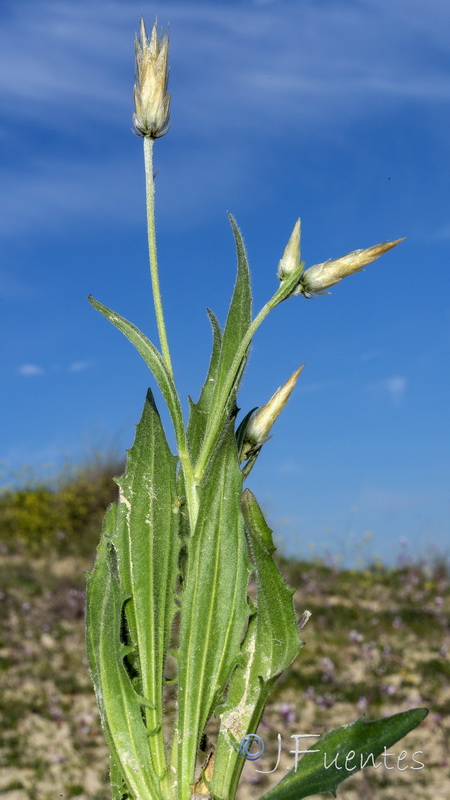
{"points": [[290, 383], [259, 425], [385, 246], [290, 261], [397, 241]]}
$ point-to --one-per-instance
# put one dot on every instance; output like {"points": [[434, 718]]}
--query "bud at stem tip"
{"points": [[320, 277], [151, 98], [259, 425]]}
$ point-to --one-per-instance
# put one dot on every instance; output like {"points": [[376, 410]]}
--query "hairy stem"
{"points": [[191, 491], [150, 196]]}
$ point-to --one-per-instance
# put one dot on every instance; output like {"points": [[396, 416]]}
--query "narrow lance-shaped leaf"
{"points": [[199, 411], [271, 645], [119, 704], [238, 321], [147, 545], [214, 607], [342, 752], [154, 361]]}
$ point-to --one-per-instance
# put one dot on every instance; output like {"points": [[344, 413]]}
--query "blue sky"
{"points": [[337, 112]]}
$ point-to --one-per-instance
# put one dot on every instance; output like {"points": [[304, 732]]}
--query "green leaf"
{"points": [[154, 361], [135, 577], [199, 411], [238, 321], [147, 546], [277, 633], [120, 706], [359, 742], [119, 789], [214, 607], [270, 646]]}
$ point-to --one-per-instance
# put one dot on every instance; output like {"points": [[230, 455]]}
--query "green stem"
{"points": [[192, 499], [213, 430], [227, 771], [150, 195], [191, 490]]}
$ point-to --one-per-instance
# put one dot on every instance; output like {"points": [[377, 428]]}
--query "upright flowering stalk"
{"points": [[151, 121], [168, 602]]}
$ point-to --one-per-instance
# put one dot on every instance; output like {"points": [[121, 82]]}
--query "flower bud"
{"points": [[151, 98], [320, 277], [291, 256], [259, 425]]}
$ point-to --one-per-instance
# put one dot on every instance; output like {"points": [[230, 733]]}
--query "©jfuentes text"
{"points": [[349, 761]]}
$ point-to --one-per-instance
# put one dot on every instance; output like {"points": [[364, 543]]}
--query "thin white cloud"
{"points": [[78, 366], [318, 386], [394, 387], [288, 467], [29, 370], [369, 355], [442, 234]]}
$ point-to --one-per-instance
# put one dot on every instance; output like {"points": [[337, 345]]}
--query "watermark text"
{"points": [[252, 747]]}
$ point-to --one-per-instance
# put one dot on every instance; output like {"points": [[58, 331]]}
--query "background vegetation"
{"points": [[62, 514]]}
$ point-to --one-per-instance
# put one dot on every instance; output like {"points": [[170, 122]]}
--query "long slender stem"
{"points": [[192, 499], [211, 434], [150, 196]]}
